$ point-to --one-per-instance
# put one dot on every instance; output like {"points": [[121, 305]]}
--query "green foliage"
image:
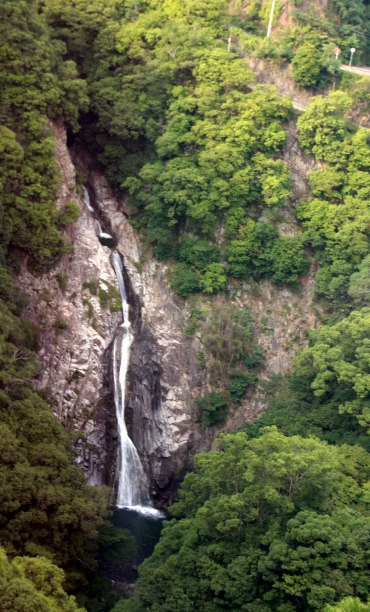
{"points": [[184, 281], [337, 362], [92, 286], [109, 297], [60, 325], [295, 410], [197, 253], [322, 127], [326, 183], [239, 383], [261, 525], [213, 408], [37, 84], [213, 278], [288, 260], [228, 340], [29, 584], [46, 507], [62, 281], [348, 604], [260, 252], [337, 220], [359, 283], [68, 214], [307, 66], [247, 254]]}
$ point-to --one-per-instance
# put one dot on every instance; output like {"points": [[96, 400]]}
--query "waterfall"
{"points": [[132, 483], [87, 200], [104, 234], [133, 486]]}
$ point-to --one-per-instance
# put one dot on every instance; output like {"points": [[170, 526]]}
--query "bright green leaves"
{"points": [[322, 127], [214, 162], [339, 360], [211, 11], [348, 604], [260, 252], [337, 220], [260, 527], [28, 584], [36, 85], [307, 65], [213, 278]]}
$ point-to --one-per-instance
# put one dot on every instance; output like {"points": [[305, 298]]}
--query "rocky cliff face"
{"points": [[76, 329], [76, 309], [163, 378], [77, 321]]}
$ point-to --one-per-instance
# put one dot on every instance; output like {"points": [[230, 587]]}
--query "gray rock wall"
{"points": [[77, 329]]}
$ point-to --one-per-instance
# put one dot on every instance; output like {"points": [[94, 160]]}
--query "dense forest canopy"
{"points": [[276, 518]]}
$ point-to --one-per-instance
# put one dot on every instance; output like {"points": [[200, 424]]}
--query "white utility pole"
{"points": [[352, 52], [228, 44], [271, 18]]}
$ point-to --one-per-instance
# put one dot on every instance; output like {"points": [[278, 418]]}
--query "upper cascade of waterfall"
{"points": [[117, 265], [87, 200], [104, 234]]}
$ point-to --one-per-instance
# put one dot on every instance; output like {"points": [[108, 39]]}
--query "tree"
{"points": [[287, 260], [29, 584], [348, 604], [359, 283], [259, 526], [184, 281], [337, 364], [213, 408], [322, 127], [307, 66], [213, 278]]}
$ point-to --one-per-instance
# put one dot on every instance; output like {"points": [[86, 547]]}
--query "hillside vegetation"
{"points": [[276, 518]]}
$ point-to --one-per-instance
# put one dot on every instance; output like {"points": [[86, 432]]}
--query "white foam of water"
{"points": [[87, 200]]}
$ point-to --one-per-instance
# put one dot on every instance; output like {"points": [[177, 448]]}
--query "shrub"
{"points": [[197, 253], [239, 383], [307, 66], [60, 325], [184, 281], [213, 278], [68, 214], [213, 407]]}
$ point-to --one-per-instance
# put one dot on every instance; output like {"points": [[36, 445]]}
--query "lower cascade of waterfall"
{"points": [[133, 486]]}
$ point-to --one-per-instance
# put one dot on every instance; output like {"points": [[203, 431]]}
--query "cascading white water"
{"points": [[104, 234], [87, 200], [132, 484]]}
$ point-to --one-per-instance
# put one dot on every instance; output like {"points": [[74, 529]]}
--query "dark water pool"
{"points": [[146, 530]]}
